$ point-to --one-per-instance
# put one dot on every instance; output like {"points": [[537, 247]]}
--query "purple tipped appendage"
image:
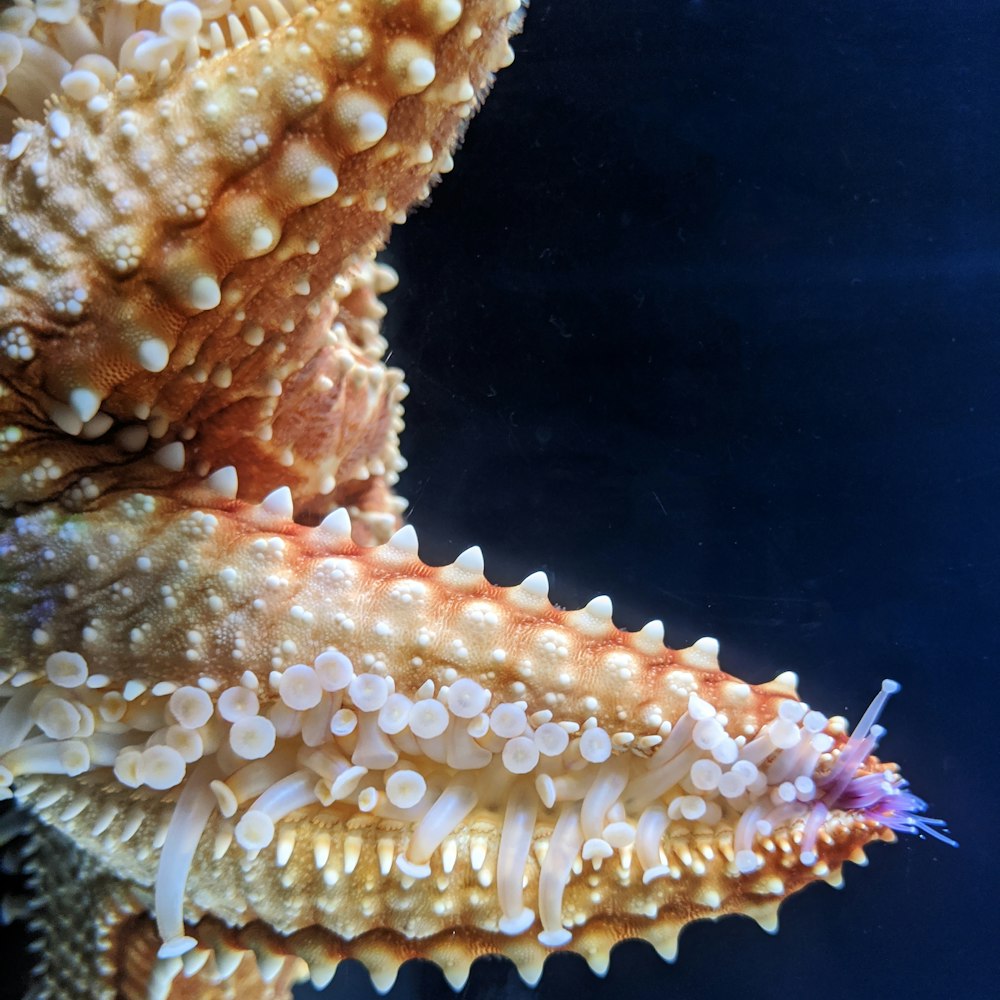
{"points": [[877, 796]]}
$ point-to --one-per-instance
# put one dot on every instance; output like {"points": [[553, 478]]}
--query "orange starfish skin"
{"points": [[170, 246], [201, 588], [252, 742]]}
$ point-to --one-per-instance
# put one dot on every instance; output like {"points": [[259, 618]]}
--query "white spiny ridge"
{"points": [[325, 735]]}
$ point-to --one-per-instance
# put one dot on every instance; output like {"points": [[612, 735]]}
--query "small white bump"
{"points": [[204, 293], [85, 402], [170, 456], [420, 72], [153, 354], [371, 127], [224, 481], [262, 239], [279, 503], [322, 183], [470, 561]]}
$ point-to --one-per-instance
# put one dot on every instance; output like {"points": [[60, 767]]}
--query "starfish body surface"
{"points": [[256, 733]]}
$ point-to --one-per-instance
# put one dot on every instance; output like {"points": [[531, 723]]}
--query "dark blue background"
{"points": [[706, 318]]}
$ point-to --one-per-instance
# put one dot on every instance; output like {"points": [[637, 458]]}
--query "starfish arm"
{"points": [[177, 252], [242, 705], [245, 715]]}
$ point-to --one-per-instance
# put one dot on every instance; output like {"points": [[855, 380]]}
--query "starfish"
{"points": [[253, 732]]}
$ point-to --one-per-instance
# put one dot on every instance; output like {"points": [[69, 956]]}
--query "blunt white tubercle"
{"points": [[787, 681], [337, 522], [224, 481], [170, 456], [133, 689], [405, 540], [85, 402], [703, 654], [600, 607], [536, 584], [153, 354], [470, 561], [321, 972], [707, 645], [279, 503], [203, 293], [649, 639], [65, 418]]}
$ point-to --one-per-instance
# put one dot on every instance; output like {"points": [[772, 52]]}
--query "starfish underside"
{"points": [[253, 732]]}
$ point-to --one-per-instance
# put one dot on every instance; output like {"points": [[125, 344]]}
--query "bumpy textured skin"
{"points": [[226, 314], [104, 214]]}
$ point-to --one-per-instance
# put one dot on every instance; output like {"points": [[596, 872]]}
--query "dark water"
{"points": [[706, 319]]}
